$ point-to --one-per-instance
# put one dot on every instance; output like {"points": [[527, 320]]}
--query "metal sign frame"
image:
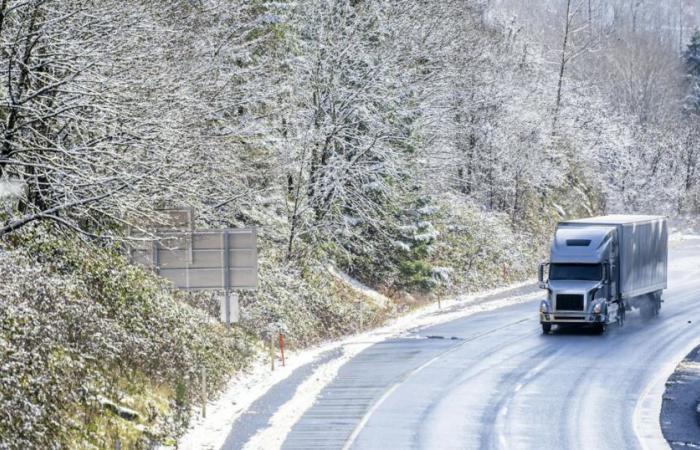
{"points": [[204, 260], [194, 260]]}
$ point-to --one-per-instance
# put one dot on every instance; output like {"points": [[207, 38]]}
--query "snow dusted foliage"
{"points": [[111, 110], [77, 326], [479, 249], [347, 132], [69, 132], [308, 305], [214, 92], [325, 118], [623, 86], [326, 121]]}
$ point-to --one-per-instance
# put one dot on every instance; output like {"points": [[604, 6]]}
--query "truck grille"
{"points": [[569, 302]]}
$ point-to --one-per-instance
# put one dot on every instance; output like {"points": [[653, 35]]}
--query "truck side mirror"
{"points": [[540, 276]]}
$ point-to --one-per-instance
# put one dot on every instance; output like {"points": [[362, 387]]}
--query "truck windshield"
{"points": [[587, 272]]}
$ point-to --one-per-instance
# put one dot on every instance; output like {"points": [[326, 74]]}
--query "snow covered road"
{"points": [[492, 380], [259, 408]]}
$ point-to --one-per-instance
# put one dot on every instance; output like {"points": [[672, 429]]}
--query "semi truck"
{"points": [[601, 267]]}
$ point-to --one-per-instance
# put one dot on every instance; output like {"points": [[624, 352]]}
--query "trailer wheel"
{"points": [[657, 303], [648, 306], [546, 328]]}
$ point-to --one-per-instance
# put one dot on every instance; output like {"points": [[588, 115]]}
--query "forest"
{"points": [[423, 147]]}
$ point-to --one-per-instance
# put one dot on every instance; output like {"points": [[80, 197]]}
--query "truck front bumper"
{"points": [[559, 317]]}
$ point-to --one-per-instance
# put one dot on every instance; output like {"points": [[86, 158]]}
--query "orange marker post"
{"points": [[282, 347]]}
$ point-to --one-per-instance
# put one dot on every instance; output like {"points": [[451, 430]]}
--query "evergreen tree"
{"points": [[691, 59]]}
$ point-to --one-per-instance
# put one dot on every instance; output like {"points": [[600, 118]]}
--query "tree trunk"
{"points": [[562, 66]]}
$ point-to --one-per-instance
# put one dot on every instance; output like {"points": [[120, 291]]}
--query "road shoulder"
{"points": [[679, 415]]}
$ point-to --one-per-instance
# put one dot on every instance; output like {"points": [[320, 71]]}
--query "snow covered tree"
{"points": [[691, 59], [689, 154], [348, 136], [68, 132]]}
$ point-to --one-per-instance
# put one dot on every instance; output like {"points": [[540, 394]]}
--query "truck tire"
{"points": [[657, 303], [546, 328], [621, 313], [600, 327], [650, 305], [647, 306]]}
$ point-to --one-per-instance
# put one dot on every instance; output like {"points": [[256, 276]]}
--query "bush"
{"points": [[79, 325], [480, 250], [308, 304]]}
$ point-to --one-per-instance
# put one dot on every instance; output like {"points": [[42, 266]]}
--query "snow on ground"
{"points": [[358, 286], [244, 389], [684, 228], [284, 419], [680, 236]]}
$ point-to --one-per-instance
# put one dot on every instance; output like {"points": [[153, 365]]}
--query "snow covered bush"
{"points": [[81, 329], [307, 303], [479, 250]]}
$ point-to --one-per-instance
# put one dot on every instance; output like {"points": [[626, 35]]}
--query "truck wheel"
{"points": [[546, 328], [621, 314], [601, 327], [657, 303], [648, 307]]}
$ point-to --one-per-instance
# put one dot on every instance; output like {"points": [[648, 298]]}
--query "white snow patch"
{"points": [[243, 390], [428, 210], [373, 186], [424, 237], [680, 236], [351, 221], [408, 228], [357, 285], [10, 189], [559, 209], [401, 245]]}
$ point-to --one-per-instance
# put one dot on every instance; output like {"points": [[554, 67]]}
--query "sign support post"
{"points": [[227, 308], [227, 275]]}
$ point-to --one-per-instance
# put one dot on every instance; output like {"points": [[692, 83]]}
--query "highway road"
{"points": [[494, 381]]}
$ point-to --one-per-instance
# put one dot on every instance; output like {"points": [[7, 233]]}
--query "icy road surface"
{"points": [[493, 381]]}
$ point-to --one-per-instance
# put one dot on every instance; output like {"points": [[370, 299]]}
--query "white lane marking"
{"points": [[368, 414], [361, 424], [499, 423], [500, 418], [365, 418]]}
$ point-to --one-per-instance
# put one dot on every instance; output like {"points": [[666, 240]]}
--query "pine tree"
{"points": [[691, 59]]}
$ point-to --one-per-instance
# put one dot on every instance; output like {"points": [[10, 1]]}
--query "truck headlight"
{"points": [[597, 308], [544, 306]]}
